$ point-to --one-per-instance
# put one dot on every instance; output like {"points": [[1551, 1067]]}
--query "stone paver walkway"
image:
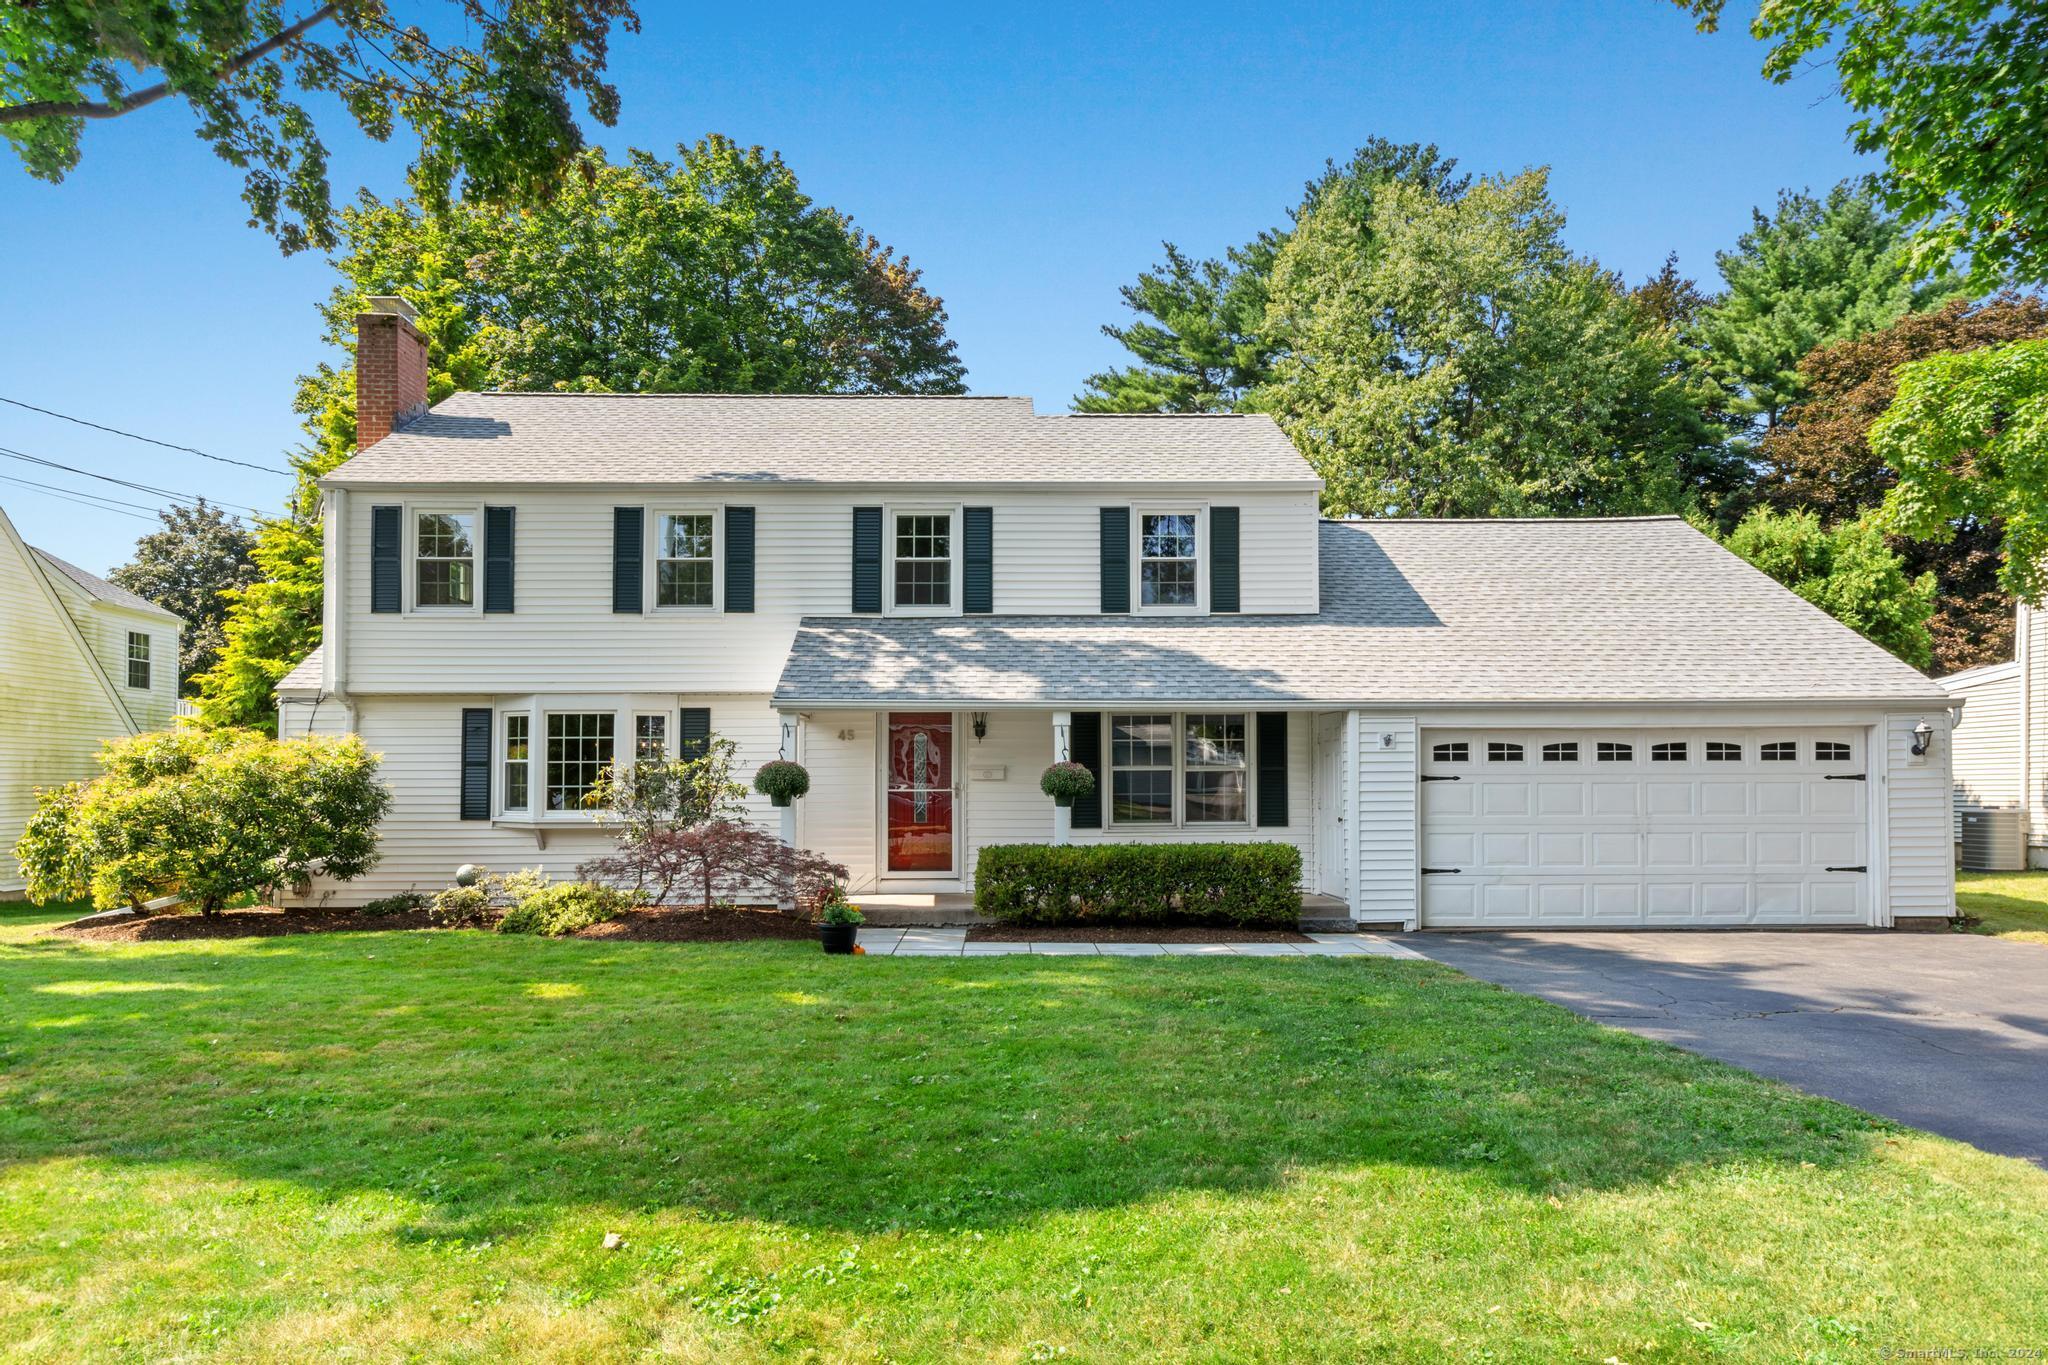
{"points": [[882, 942]]}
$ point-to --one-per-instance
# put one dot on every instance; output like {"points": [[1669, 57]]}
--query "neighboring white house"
{"points": [[2001, 742], [927, 600], [81, 661]]}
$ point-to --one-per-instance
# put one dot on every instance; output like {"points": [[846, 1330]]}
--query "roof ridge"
{"points": [[790, 397], [1492, 521]]}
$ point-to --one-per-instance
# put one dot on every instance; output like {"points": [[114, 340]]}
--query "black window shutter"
{"points": [[476, 762], [739, 559], [1223, 559], [1272, 768], [867, 559], [693, 731], [978, 586], [497, 559], [1116, 560], [1084, 742], [387, 591], [629, 532]]}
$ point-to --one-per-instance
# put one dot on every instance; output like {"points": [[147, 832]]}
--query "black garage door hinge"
{"points": [[1438, 777], [1843, 777], [1441, 871], [1858, 868]]}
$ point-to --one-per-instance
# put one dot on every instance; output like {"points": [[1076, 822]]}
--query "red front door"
{"points": [[918, 790]]}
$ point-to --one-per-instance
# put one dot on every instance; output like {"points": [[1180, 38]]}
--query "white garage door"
{"points": [[1650, 827]]}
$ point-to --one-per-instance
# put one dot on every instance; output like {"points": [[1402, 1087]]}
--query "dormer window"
{"points": [[1169, 561]]}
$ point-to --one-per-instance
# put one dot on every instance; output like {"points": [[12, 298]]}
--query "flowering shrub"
{"points": [[834, 908], [782, 781], [1067, 783], [1237, 884], [716, 863]]}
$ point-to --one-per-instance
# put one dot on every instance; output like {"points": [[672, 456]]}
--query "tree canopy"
{"points": [[200, 553], [1449, 356], [1820, 457], [489, 98], [1968, 435], [1848, 572], [1813, 272], [1954, 93]]}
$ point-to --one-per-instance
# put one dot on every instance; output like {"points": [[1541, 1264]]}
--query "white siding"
{"points": [[104, 626], [564, 634], [54, 710], [308, 713], [424, 840], [1920, 875], [838, 818], [1986, 744], [1384, 829]]}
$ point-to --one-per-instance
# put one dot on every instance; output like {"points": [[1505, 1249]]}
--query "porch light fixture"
{"points": [[981, 725], [1923, 736]]}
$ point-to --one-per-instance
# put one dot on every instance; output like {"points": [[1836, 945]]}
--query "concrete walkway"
{"points": [[883, 942]]}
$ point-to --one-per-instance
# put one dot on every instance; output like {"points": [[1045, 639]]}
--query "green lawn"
{"points": [[390, 1145], [2008, 904]]}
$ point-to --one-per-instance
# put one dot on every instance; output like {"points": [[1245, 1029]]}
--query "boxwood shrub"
{"points": [[1239, 884]]}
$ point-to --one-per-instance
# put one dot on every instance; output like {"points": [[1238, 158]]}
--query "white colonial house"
{"points": [[927, 600], [81, 662], [2001, 743]]}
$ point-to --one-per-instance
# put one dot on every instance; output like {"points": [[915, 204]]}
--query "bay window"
{"points": [[518, 764], [579, 748]]}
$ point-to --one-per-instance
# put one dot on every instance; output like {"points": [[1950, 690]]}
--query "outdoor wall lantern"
{"points": [[981, 725], [1923, 735]]}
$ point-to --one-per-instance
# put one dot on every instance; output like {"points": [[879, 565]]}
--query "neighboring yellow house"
{"points": [[81, 662]]}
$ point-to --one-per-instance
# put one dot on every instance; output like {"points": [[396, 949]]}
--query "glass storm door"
{"points": [[918, 787]]}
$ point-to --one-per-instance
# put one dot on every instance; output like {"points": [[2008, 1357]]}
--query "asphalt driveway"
{"points": [[1947, 1032]]}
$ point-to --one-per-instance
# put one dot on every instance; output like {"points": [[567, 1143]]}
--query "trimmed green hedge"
{"points": [[1242, 884]]}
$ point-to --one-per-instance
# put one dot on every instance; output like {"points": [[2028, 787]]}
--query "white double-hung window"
{"points": [[1179, 769], [923, 563], [685, 571], [444, 559], [1169, 560]]}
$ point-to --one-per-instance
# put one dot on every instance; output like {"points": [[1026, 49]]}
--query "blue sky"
{"points": [[1028, 161]]}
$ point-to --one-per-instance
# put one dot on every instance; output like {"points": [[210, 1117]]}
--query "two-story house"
{"points": [[81, 662], [927, 600]]}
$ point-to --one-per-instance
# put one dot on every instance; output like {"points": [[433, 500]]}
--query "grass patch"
{"points": [[414, 1145], [2005, 904]]}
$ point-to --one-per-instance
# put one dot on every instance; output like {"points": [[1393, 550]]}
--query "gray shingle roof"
{"points": [[549, 438], [305, 677], [1414, 612], [100, 589]]}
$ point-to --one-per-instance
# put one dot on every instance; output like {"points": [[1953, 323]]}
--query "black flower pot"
{"points": [[779, 800], [838, 938], [1063, 802]]}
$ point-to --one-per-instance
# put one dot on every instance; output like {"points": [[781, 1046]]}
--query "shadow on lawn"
{"points": [[505, 1082]]}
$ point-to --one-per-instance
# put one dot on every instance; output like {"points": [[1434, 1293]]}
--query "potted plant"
{"points": [[838, 923], [782, 781], [1066, 783]]}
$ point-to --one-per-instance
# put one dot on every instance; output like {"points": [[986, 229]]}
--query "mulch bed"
{"points": [[261, 922], [734, 925], [1115, 933]]}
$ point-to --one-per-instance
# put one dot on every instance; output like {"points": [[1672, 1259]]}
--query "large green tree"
{"points": [[1819, 457], [1954, 94], [1848, 572], [1812, 272], [1450, 356], [487, 89], [200, 553], [1199, 335], [1968, 434], [714, 273]]}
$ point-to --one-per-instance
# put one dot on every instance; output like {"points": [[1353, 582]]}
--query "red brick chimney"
{"points": [[391, 370]]}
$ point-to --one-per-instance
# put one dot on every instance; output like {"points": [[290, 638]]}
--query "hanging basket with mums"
{"points": [[782, 781], [1066, 783]]}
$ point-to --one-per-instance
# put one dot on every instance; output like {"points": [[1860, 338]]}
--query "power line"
{"points": [[151, 440], [79, 494], [67, 497], [172, 494]]}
